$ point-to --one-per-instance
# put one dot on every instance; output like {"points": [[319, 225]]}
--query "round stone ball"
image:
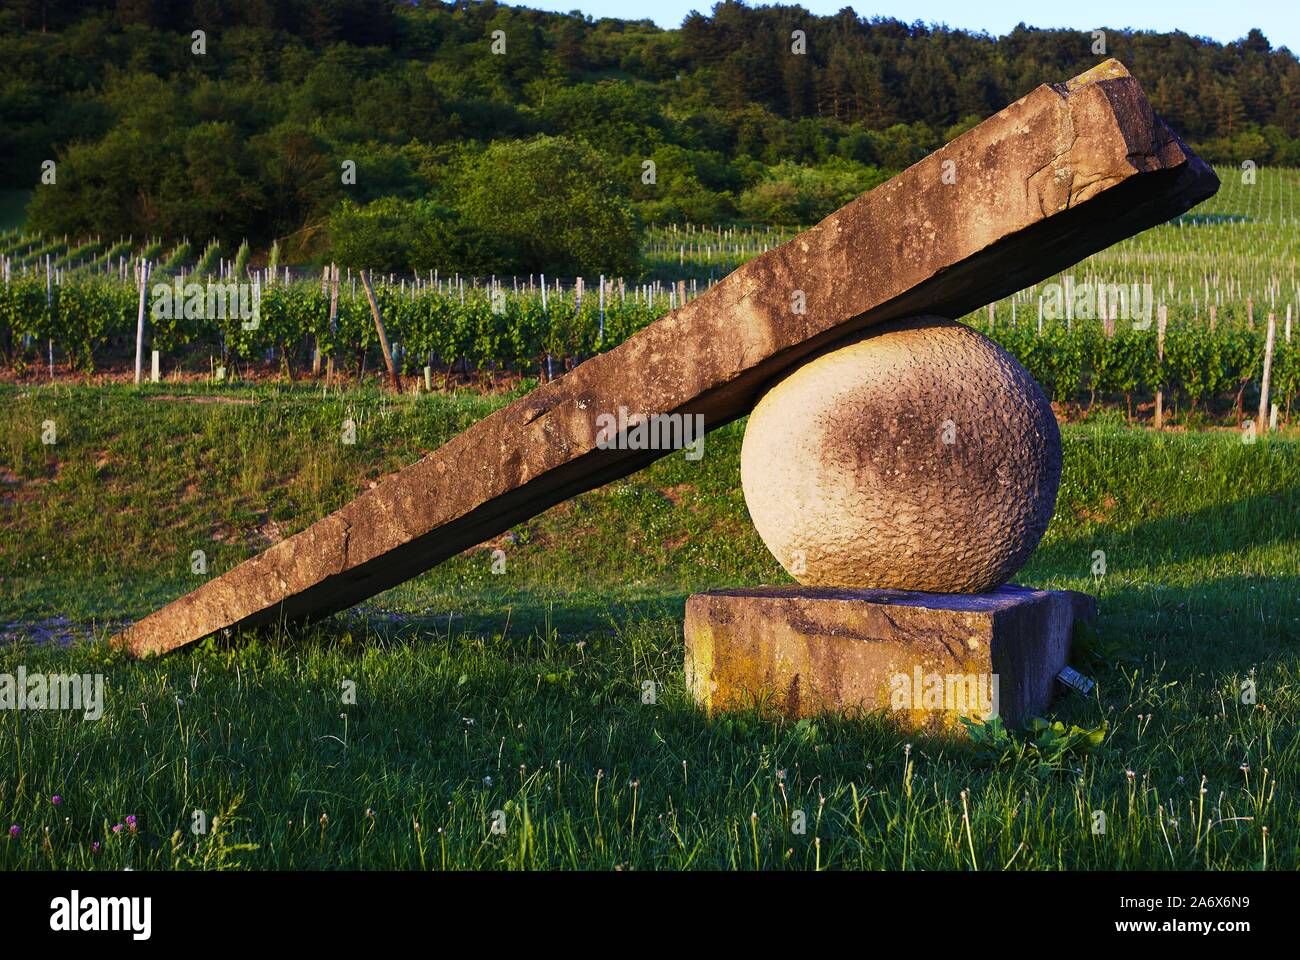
{"points": [[917, 456]]}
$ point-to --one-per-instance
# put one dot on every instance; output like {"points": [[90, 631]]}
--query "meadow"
{"points": [[481, 719]]}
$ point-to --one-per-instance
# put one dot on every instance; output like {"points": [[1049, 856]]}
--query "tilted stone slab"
{"points": [[925, 660], [1061, 173]]}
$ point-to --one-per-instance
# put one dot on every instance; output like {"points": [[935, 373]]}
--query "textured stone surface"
{"points": [[808, 650], [920, 456], [1059, 174]]}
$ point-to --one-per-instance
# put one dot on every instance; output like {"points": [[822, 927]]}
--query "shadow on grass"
{"points": [[1185, 538], [1173, 589], [567, 617], [1204, 618], [1202, 615]]}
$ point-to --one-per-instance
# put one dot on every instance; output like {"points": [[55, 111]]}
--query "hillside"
{"points": [[283, 121]]}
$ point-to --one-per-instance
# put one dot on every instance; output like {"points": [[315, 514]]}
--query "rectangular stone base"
{"points": [[925, 659]]}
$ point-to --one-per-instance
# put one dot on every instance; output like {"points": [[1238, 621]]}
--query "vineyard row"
{"points": [[451, 324]]}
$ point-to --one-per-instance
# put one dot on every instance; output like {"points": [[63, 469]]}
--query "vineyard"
{"points": [[1184, 309]]}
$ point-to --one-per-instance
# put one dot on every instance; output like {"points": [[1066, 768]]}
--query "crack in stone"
{"points": [[347, 536], [539, 409]]}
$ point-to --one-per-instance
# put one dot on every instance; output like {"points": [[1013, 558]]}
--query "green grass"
{"points": [[522, 692]]}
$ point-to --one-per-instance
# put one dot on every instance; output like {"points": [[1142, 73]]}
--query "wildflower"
{"points": [[14, 830], [117, 828], [324, 820], [130, 822], [94, 848], [56, 799], [370, 814], [487, 781]]}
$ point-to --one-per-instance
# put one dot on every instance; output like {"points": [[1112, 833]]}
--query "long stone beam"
{"points": [[1061, 173]]}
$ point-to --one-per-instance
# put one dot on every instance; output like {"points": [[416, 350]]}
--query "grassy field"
{"points": [[515, 700]]}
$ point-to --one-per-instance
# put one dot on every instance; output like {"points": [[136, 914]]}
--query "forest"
{"points": [[415, 136]]}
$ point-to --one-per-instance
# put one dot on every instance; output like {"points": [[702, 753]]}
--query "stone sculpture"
{"points": [[1061, 173]]}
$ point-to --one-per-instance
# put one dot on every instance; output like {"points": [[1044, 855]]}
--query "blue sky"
{"points": [[1220, 20]]}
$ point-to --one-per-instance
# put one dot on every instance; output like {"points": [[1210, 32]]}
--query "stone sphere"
{"points": [[918, 456]]}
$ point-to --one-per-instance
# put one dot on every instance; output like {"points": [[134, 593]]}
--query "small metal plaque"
{"points": [[1076, 681]]}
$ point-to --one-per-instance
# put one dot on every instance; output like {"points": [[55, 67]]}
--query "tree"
{"points": [[392, 235], [569, 51], [555, 203]]}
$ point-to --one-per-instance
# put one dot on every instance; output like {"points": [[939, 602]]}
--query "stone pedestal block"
{"points": [[925, 659]]}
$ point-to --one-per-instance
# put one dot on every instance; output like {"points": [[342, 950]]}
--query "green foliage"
{"points": [[791, 194], [1091, 649], [178, 258], [240, 269], [1199, 365], [555, 203], [459, 320], [89, 310], [80, 316], [1047, 746], [169, 329], [22, 311], [394, 235], [251, 143], [208, 263]]}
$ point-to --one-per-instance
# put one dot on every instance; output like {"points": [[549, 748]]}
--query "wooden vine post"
{"points": [[142, 271], [383, 337], [1262, 422], [1163, 319]]}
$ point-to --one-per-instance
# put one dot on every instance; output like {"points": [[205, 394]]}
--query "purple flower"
{"points": [[117, 828], [94, 847], [14, 830], [56, 799], [130, 822]]}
